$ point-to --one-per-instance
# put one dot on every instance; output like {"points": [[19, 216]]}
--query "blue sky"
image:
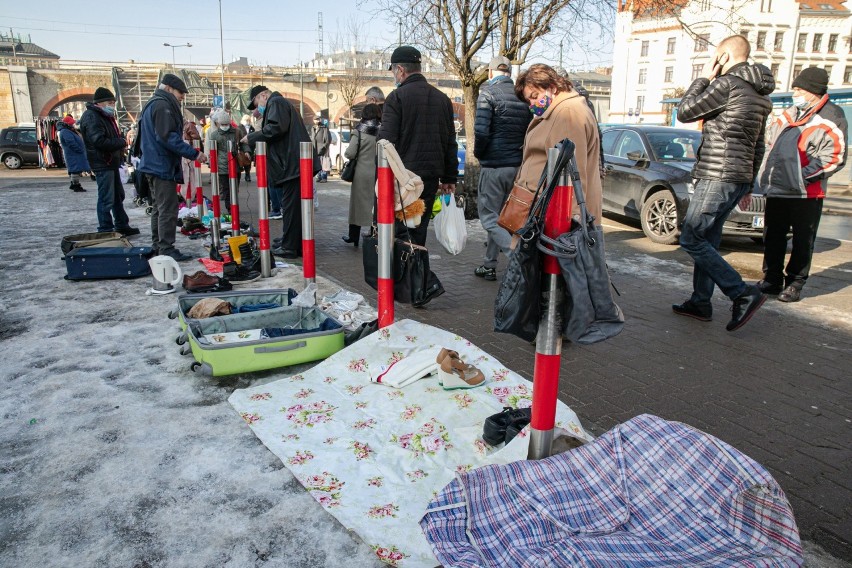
{"points": [[264, 31]]}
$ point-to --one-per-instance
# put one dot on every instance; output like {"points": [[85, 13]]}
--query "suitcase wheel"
{"points": [[186, 350], [194, 367], [180, 339], [149, 210], [173, 314]]}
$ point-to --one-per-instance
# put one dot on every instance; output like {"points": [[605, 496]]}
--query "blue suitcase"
{"points": [[98, 263]]}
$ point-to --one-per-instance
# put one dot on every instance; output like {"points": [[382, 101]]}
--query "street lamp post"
{"points": [[222, 53], [173, 50]]}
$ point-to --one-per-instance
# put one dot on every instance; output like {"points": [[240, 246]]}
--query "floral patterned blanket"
{"points": [[374, 456]]}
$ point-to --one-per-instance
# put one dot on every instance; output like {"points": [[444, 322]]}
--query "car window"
{"points": [[333, 137], [346, 135], [630, 143], [9, 135], [676, 146], [608, 140], [26, 137]]}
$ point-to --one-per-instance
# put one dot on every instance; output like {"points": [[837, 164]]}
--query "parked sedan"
{"points": [[649, 178], [18, 146]]}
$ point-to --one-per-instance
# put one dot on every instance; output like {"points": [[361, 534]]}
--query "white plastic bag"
{"points": [[123, 173], [449, 226]]}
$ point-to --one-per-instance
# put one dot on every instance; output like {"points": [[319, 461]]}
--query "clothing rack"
{"points": [[49, 150]]}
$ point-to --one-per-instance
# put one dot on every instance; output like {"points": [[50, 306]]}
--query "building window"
{"points": [[696, 71], [704, 5], [765, 5], [779, 41], [847, 75], [796, 70], [828, 72], [800, 44], [669, 74], [644, 52], [817, 44], [832, 43], [643, 76], [702, 42], [640, 103], [775, 68], [670, 48], [761, 41]]}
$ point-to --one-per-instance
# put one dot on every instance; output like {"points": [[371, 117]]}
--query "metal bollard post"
{"points": [[306, 180], [385, 222], [548, 346], [217, 206], [263, 208], [199, 189], [235, 197]]}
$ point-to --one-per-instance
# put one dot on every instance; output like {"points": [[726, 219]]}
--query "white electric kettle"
{"points": [[167, 274]]}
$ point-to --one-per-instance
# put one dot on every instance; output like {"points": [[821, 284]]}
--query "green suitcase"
{"points": [[238, 299]]}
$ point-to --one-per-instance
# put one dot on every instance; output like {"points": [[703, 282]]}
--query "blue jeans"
{"points": [[701, 234], [110, 202], [275, 194]]}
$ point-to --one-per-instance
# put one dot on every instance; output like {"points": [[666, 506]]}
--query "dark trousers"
{"points": [[418, 235], [110, 202], [225, 191], [164, 201], [291, 216], [782, 215]]}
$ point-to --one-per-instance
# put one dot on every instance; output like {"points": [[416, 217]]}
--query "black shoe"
{"points": [[248, 178], [349, 241], [76, 187], [495, 431], [486, 273], [128, 231], [179, 256], [744, 307], [790, 294], [769, 288], [689, 309], [432, 293], [284, 253]]}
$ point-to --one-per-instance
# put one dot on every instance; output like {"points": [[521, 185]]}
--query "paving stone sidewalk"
{"points": [[779, 389]]}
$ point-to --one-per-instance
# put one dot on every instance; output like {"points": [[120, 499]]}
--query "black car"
{"points": [[18, 146], [648, 177]]}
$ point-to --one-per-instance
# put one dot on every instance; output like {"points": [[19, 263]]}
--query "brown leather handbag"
{"points": [[243, 159], [516, 210]]}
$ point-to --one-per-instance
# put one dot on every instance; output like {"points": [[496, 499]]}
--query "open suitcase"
{"points": [[99, 263], [82, 240], [261, 340], [238, 300]]}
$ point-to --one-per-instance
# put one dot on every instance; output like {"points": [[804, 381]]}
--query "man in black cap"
{"points": [[418, 120], [500, 126], [806, 145], [283, 130], [162, 146], [104, 149]]}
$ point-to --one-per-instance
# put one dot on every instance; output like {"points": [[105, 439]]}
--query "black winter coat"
{"points": [[501, 124], [104, 142], [282, 129], [734, 108], [418, 120]]}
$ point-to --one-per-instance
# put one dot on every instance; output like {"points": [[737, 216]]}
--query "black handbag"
{"points": [[347, 173], [517, 308], [591, 315]]}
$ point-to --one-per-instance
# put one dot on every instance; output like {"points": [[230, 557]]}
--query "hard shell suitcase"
{"points": [[257, 341], [238, 299], [97, 263], [82, 240]]}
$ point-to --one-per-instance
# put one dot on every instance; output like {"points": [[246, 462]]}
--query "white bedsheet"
{"points": [[374, 456]]}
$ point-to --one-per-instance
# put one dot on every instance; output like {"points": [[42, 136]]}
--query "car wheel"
{"points": [[12, 161], [659, 218]]}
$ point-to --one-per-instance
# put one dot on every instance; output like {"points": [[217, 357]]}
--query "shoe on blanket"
{"points": [[453, 373], [495, 431]]}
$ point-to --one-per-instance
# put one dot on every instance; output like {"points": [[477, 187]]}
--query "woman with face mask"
{"points": [[223, 131], [559, 111]]}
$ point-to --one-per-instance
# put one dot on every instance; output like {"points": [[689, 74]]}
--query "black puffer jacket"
{"points": [[104, 142], [418, 120], [734, 108], [283, 131], [501, 124]]}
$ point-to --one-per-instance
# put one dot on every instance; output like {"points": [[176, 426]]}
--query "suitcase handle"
{"points": [[290, 347]]}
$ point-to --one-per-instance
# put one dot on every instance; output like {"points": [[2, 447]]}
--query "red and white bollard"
{"points": [[217, 204], [199, 190], [548, 345], [235, 197], [263, 208], [306, 180], [386, 234]]}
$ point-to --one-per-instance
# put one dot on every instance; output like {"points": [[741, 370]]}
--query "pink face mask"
{"points": [[541, 105]]}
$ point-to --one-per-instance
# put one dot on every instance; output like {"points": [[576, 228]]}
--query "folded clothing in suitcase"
{"points": [[107, 239], [240, 301], [267, 339], [94, 263]]}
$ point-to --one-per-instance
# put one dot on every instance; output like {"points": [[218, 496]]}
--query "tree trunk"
{"points": [[471, 164]]}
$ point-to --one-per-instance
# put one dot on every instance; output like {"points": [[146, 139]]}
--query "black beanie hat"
{"points": [[813, 80], [103, 94]]}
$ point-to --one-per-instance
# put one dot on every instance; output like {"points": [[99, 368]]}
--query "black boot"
{"points": [[354, 235], [75, 186]]}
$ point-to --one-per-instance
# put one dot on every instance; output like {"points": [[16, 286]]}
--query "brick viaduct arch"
{"points": [[67, 96]]}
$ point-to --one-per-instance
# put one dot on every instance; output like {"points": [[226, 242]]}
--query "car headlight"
{"points": [[690, 187]]}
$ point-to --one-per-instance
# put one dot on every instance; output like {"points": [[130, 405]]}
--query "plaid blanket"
{"points": [[648, 493]]}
